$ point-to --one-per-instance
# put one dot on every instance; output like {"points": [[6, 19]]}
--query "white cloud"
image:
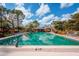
{"points": [[25, 22], [40, 12], [27, 12], [47, 18], [56, 18], [65, 17], [68, 16], [65, 5], [77, 11], [3, 4], [45, 21], [44, 8], [19, 4]]}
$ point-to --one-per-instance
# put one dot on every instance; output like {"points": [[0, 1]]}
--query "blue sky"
{"points": [[44, 13], [54, 7]]}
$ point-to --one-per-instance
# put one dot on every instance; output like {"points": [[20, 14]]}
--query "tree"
{"points": [[35, 24], [8, 17], [2, 18], [69, 25], [58, 25], [75, 16], [75, 19], [19, 16], [32, 25]]}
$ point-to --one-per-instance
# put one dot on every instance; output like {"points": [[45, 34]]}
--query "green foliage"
{"points": [[58, 25], [32, 25], [7, 19], [71, 24], [19, 16]]}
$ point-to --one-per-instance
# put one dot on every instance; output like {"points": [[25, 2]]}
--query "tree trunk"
{"points": [[17, 23]]}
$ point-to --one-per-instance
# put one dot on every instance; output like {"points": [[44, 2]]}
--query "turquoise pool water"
{"points": [[39, 38]]}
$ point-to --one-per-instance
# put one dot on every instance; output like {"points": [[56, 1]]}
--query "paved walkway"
{"points": [[40, 50]]}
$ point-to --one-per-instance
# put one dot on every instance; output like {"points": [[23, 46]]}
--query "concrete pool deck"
{"points": [[39, 50]]}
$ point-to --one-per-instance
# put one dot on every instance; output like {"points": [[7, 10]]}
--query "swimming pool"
{"points": [[38, 38]]}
